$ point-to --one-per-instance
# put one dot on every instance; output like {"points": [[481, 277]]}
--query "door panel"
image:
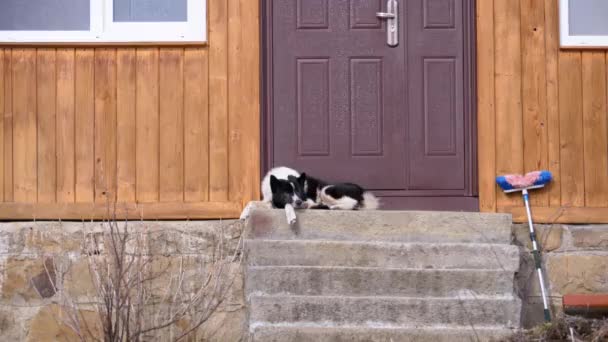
{"points": [[436, 111], [336, 105], [347, 107]]}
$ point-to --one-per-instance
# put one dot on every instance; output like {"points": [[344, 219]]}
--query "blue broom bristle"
{"points": [[543, 178], [502, 182]]}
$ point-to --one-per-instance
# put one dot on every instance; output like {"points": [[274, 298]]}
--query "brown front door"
{"points": [[343, 105]]}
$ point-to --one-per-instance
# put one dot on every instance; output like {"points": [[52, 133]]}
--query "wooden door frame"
{"points": [[470, 106]]}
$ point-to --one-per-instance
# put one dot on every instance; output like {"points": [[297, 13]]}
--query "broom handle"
{"points": [[536, 253]]}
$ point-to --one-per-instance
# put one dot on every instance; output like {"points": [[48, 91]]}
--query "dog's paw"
{"points": [[246, 212], [290, 214]]}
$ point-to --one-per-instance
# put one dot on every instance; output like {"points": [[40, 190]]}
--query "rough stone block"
{"points": [[78, 281], [593, 237], [45, 283], [14, 321], [26, 279], [49, 241], [52, 323], [549, 237], [577, 273]]}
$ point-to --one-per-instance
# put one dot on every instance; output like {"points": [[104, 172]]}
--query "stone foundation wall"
{"points": [[575, 260], [39, 260]]}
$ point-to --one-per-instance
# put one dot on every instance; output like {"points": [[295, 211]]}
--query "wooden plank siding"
{"points": [[155, 132], [66, 169], [540, 107]]}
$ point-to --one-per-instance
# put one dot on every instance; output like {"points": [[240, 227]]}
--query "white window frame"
{"points": [[104, 30], [576, 41]]}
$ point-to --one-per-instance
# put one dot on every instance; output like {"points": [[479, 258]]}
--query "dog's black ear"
{"points": [[274, 184], [302, 179]]}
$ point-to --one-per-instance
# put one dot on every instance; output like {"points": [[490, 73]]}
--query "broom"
{"points": [[523, 183]]}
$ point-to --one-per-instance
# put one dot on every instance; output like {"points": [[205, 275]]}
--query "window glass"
{"points": [[45, 15], [588, 17], [150, 10]]}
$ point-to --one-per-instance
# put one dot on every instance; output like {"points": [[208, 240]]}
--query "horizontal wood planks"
{"points": [[540, 107], [167, 132]]}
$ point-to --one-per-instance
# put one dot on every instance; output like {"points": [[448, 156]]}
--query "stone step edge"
{"points": [[512, 297], [379, 243], [376, 326], [260, 206], [380, 268]]}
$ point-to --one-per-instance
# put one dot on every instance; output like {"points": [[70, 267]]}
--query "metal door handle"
{"points": [[384, 15], [392, 22]]}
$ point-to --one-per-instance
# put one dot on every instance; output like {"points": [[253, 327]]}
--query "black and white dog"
{"points": [[282, 186]]}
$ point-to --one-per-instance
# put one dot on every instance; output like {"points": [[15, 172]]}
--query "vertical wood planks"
{"points": [[24, 125], [66, 164], [534, 91], [236, 112], [486, 119], [196, 125], [218, 100], [46, 96], [126, 82], [171, 124], [147, 123], [105, 125], [571, 129], [8, 126], [508, 92], [251, 75], [594, 128], [171, 73], [85, 124], [552, 78]]}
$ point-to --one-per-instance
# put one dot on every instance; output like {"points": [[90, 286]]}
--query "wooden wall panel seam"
{"points": [[595, 140], [534, 91], [486, 135], [508, 105], [552, 80]]}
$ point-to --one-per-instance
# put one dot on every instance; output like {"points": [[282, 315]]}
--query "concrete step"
{"points": [[299, 333], [411, 312], [364, 281], [382, 254], [391, 226]]}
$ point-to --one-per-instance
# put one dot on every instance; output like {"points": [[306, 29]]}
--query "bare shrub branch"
{"points": [[142, 295]]}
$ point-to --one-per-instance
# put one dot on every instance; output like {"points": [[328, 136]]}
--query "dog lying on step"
{"points": [[285, 187]]}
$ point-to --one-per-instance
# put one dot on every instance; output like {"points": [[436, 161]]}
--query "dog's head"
{"points": [[288, 191]]}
